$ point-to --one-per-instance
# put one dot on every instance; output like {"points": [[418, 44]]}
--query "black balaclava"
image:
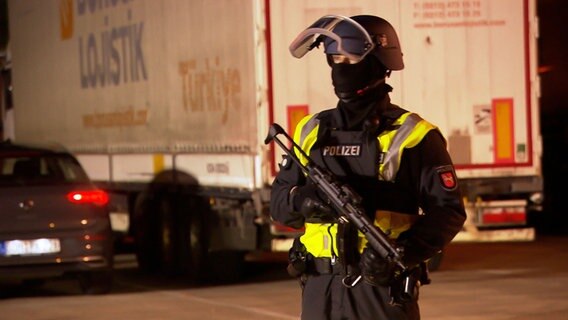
{"points": [[360, 113], [350, 81], [360, 88]]}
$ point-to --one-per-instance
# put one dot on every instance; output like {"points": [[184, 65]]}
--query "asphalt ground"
{"points": [[505, 280]]}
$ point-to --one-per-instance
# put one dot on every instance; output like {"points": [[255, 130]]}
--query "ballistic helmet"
{"points": [[354, 37]]}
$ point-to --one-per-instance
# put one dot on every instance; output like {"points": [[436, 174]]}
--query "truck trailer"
{"points": [[167, 103]]}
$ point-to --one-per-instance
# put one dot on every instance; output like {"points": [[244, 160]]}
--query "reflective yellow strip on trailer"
{"points": [[158, 161], [503, 130]]}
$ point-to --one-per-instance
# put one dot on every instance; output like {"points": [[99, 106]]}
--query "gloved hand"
{"points": [[310, 202], [375, 270]]}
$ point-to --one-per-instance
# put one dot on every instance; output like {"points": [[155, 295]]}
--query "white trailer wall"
{"points": [[469, 69], [135, 75]]}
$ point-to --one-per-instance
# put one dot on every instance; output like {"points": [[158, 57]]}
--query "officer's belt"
{"points": [[324, 266]]}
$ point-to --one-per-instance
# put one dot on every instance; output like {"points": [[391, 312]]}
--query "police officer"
{"points": [[397, 162]]}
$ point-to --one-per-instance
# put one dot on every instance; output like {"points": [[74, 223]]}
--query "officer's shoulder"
{"points": [[394, 112], [317, 115], [323, 115], [327, 113], [434, 139]]}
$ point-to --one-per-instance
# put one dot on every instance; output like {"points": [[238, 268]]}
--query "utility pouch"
{"points": [[297, 256]]}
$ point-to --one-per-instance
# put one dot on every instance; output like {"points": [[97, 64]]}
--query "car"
{"points": [[54, 222]]}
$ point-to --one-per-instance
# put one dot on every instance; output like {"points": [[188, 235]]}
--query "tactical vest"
{"points": [[363, 162]]}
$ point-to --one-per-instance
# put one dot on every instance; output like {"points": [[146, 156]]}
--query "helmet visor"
{"points": [[342, 35]]}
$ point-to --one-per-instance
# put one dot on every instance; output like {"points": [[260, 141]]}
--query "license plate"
{"points": [[29, 247]]}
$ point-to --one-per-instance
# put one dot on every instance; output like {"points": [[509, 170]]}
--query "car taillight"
{"points": [[98, 197]]}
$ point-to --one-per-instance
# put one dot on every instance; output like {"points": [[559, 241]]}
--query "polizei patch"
{"points": [[342, 151]]}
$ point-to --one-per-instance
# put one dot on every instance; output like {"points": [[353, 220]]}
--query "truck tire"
{"points": [[146, 233], [171, 226], [171, 233], [190, 238]]}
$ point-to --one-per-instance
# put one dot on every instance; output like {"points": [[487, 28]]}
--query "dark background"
{"points": [[553, 69]]}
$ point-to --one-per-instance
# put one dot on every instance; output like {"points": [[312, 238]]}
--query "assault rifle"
{"points": [[347, 203]]}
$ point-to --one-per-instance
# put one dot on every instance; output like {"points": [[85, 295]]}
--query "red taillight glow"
{"points": [[98, 197]]}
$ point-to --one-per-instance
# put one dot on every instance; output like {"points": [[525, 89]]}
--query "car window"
{"points": [[27, 170]]}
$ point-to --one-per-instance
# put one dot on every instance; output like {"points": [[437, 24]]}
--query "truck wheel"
{"points": [[168, 236], [184, 235], [158, 233], [146, 233], [171, 233], [194, 239]]}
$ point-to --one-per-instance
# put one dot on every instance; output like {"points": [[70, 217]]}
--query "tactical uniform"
{"points": [[399, 164]]}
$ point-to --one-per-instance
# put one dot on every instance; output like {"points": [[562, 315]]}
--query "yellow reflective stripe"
{"points": [[391, 223], [305, 135], [384, 226], [385, 141], [420, 130], [394, 223], [320, 241], [412, 129]]}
